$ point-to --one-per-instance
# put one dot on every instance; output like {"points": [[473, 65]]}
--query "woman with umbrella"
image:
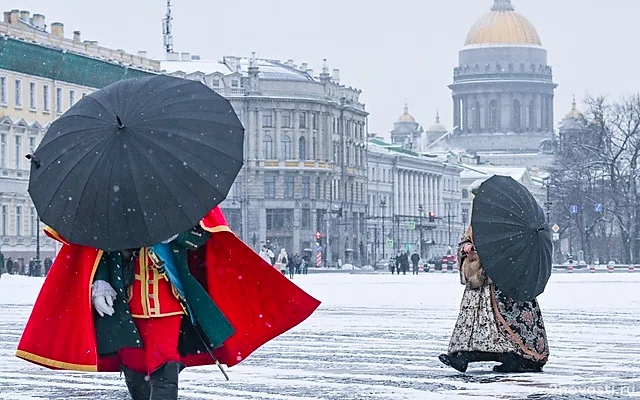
{"points": [[505, 258]]}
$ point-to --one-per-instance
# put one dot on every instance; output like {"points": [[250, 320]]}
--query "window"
{"points": [[234, 83], [313, 148], [45, 98], [59, 100], [279, 219], [289, 187], [303, 120], [3, 150], [34, 224], [3, 90], [314, 121], [465, 193], [32, 144], [302, 148], [305, 220], [286, 119], [267, 144], [269, 187], [72, 98], [18, 151], [5, 221], [476, 117], [267, 119], [517, 116], [286, 148], [318, 189], [32, 96], [215, 83], [18, 220], [465, 216], [532, 116], [306, 187], [18, 92]]}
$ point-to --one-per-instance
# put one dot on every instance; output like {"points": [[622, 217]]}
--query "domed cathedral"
{"points": [[572, 127], [436, 130], [503, 91], [407, 132]]}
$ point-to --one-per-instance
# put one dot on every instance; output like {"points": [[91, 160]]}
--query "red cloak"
{"points": [[259, 302]]}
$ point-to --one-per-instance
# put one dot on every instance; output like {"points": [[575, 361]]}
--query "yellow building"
{"points": [[42, 74]]}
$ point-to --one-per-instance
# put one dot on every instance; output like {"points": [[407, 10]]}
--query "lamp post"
{"points": [[421, 211], [383, 206]]}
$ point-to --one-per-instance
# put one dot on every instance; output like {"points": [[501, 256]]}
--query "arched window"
{"points": [[267, 147], [516, 116], [286, 148], [493, 116], [532, 116], [476, 117], [314, 148], [302, 148]]}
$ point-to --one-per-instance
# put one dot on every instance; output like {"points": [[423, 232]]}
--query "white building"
{"points": [[304, 170], [404, 189]]}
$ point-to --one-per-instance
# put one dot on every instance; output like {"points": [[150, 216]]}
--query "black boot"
{"points": [[458, 362], [164, 381], [516, 363], [137, 383]]}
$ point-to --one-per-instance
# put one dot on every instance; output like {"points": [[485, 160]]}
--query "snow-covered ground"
{"points": [[378, 337]]}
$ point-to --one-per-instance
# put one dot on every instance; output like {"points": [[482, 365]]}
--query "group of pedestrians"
{"points": [[296, 264], [401, 262]]}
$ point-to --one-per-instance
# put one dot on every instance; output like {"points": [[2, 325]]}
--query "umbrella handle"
{"points": [[35, 160]]}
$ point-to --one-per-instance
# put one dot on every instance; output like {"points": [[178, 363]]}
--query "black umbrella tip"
{"points": [[120, 124], [35, 160]]}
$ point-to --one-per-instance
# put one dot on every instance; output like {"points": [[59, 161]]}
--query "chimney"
{"points": [[173, 56], [76, 37], [186, 57], [289, 62], [142, 53], [57, 29], [195, 57], [38, 21], [303, 67], [336, 75], [24, 15], [15, 17], [7, 17]]}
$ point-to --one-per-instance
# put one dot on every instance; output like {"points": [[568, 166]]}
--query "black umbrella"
{"points": [[512, 237], [136, 162]]}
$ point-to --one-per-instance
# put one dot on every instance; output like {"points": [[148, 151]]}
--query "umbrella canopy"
{"points": [[136, 162], [512, 237]]}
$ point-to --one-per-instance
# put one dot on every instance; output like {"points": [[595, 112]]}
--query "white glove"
{"points": [[170, 239], [102, 297]]}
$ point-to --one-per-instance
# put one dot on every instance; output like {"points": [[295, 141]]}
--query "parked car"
{"points": [[435, 262]]}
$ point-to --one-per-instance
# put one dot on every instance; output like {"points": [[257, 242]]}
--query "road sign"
{"points": [[556, 237], [390, 243], [319, 249], [598, 207], [573, 209], [555, 228], [412, 225]]}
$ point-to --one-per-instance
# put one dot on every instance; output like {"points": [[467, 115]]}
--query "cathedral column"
{"points": [[259, 133], [456, 112]]}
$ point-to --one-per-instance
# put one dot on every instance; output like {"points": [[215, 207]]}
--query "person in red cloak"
{"points": [[123, 313]]}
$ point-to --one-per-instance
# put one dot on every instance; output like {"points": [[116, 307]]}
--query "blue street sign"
{"points": [[573, 209], [598, 207], [319, 249]]}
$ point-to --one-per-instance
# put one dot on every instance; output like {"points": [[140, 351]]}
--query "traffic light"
{"points": [[318, 236], [432, 216]]}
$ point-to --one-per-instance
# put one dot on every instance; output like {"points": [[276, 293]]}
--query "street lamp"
{"points": [[383, 206], [421, 211]]}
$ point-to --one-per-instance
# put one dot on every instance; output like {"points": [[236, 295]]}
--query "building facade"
{"points": [[42, 74], [305, 165], [413, 202], [407, 132], [503, 91]]}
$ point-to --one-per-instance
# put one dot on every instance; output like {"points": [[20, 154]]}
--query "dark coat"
{"points": [[119, 330]]}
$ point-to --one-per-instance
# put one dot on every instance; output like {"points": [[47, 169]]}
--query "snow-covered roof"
{"points": [[189, 67]]}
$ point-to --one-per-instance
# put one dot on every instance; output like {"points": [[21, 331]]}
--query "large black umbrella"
{"points": [[136, 162], [512, 237]]}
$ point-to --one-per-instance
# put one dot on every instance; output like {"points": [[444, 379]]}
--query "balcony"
{"points": [[293, 164]]}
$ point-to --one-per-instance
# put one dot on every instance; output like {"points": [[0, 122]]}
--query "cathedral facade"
{"points": [[503, 92]]}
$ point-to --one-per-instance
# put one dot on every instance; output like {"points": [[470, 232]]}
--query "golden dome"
{"points": [[574, 113], [502, 25], [406, 117]]}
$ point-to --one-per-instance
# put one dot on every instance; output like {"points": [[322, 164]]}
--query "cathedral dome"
{"points": [[503, 26], [574, 113], [437, 126], [406, 117]]}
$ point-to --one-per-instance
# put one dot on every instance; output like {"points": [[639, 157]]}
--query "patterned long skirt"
{"points": [[492, 322]]}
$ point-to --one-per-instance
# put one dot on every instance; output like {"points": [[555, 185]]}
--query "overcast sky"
{"points": [[392, 50]]}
